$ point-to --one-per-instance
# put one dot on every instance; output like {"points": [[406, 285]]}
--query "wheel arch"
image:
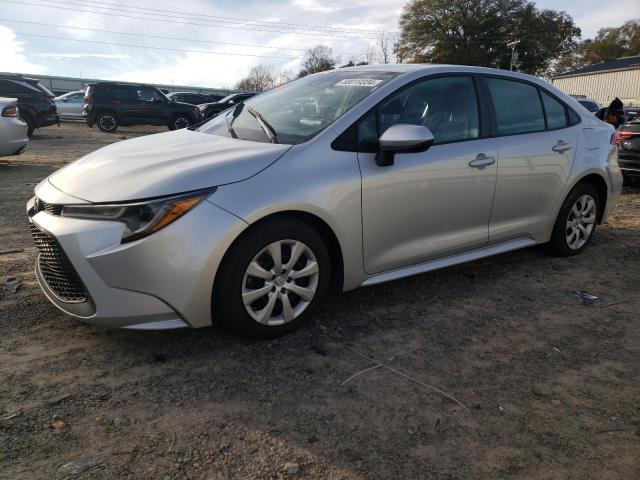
{"points": [[319, 225], [107, 110], [600, 184]]}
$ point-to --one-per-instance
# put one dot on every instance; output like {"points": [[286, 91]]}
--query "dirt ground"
{"points": [[549, 387]]}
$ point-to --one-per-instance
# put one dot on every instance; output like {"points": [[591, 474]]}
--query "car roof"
{"points": [[407, 68]]}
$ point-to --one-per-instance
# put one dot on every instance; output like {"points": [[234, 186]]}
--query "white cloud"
{"points": [[13, 58], [315, 6], [194, 69], [58, 56]]}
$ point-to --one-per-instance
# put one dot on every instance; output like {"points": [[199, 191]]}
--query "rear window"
{"points": [[18, 87], [554, 111], [517, 106]]}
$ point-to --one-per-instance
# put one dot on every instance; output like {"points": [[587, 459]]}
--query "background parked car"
{"points": [[35, 103], [109, 105], [592, 105], [209, 110], [70, 105], [632, 113], [629, 150], [13, 131], [194, 98]]}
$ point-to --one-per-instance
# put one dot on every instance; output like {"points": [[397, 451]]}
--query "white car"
{"points": [[70, 105], [13, 131]]}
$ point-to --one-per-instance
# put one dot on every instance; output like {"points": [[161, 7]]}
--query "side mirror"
{"points": [[65, 99], [402, 138]]}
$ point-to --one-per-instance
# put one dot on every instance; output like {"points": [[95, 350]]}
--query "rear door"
{"points": [[536, 147]]}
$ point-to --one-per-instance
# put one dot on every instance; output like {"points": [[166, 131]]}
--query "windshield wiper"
{"points": [[229, 127], [268, 129]]}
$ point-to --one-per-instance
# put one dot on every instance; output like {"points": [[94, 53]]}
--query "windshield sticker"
{"points": [[358, 82]]}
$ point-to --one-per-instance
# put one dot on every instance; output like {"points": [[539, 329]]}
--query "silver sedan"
{"points": [[13, 131], [70, 105], [345, 178]]}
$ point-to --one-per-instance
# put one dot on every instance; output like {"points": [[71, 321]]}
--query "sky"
{"points": [[103, 39]]}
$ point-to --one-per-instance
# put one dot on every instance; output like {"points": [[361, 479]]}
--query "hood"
{"points": [[163, 164]]}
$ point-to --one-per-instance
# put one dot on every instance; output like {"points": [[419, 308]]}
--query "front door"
{"points": [[434, 203]]}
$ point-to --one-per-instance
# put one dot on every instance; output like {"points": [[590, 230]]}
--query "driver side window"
{"points": [[447, 106]]}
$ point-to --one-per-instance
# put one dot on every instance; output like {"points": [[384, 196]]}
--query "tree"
{"points": [[476, 32], [384, 44], [610, 43], [316, 60], [263, 77], [260, 78]]}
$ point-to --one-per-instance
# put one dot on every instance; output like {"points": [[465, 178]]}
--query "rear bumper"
{"points": [[13, 137], [47, 120], [629, 161]]}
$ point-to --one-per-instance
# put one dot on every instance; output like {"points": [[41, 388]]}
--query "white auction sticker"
{"points": [[358, 82]]}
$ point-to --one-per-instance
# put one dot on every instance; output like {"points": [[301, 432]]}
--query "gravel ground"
{"points": [[548, 388]]}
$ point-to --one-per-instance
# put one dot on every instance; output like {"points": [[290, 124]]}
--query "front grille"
{"points": [[56, 269], [51, 208]]}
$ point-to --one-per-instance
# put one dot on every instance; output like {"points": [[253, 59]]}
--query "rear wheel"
{"points": [[107, 122], [272, 279], [576, 221]]}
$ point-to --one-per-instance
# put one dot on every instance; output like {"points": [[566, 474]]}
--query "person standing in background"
{"points": [[613, 114]]}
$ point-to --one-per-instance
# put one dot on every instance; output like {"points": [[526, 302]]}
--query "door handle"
{"points": [[482, 161], [561, 146]]}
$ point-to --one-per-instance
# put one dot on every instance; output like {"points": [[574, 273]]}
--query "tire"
{"points": [[236, 285], [180, 121], [564, 242], [107, 122], [31, 124]]}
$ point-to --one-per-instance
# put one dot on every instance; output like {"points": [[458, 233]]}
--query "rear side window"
{"points": [[554, 112], [517, 106]]}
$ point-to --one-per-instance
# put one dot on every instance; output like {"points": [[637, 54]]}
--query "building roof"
{"points": [[617, 64]]}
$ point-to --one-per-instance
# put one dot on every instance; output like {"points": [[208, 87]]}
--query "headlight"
{"points": [[140, 218]]}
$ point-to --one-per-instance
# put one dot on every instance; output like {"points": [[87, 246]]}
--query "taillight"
{"points": [[10, 111], [88, 100], [624, 135]]}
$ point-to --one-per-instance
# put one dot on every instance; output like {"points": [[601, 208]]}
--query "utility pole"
{"points": [[514, 54]]}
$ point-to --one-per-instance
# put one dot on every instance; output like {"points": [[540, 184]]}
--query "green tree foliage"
{"points": [[610, 43], [476, 32], [316, 60]]}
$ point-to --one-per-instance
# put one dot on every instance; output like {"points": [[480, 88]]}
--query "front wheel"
{"points": [[272, 279], [576, 221], [180, 121]]}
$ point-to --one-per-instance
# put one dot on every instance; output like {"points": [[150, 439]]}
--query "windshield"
{"points": [[299, 110]]}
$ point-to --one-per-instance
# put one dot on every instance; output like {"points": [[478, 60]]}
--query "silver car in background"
{"points": [[345, 178], [70, 105], [13, 131]]}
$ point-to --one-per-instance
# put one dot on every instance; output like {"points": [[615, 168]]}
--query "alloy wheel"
{"points": [[580, 223], [107, 122], [280, 282], [180, 122]]}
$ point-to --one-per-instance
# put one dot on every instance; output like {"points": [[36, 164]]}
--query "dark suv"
{"points": [[194, 98], [109, 105], [35, 103]]}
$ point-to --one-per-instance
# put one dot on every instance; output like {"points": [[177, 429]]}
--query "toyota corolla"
{"points": [[345, 178]]}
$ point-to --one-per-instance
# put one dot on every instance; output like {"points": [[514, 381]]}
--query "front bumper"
{"points": [[164, 280]]}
